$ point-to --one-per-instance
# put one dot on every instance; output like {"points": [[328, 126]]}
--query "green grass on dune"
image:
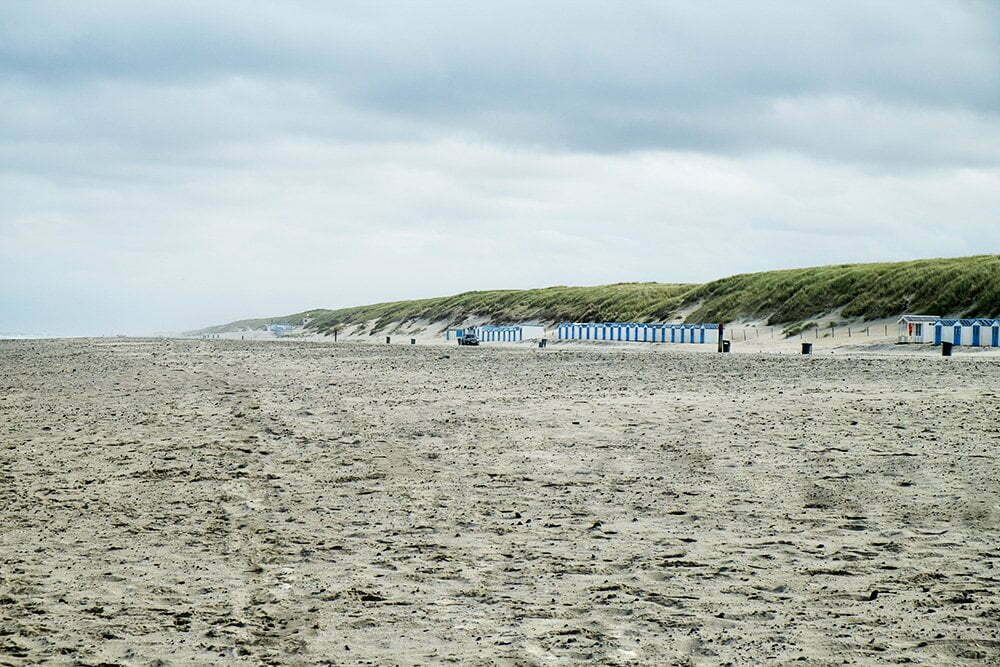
{"points": [[260, 322], [968, 286], [624, 302], [965, 286]]}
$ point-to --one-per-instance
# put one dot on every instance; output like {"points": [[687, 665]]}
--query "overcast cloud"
{"points": [[169, 165]]}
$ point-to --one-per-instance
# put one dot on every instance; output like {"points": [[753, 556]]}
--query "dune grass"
{"points": [[964, 286], [621, 302], [967, 286]]}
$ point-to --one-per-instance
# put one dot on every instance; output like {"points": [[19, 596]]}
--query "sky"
{"points": [[167, 165]]}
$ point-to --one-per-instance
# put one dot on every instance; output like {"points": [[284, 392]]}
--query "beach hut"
{"points": [[968, 327], [948, 331], [917, 328], [985, 333], [709, 334]]}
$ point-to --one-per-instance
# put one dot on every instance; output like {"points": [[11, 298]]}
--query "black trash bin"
{"points": [[725, 345], [946, 348], [543, 342], [386, 340], [807, 348], [413, 341]]}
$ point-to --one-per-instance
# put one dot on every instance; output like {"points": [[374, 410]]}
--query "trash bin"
{"points": [[543, 342], [725, 345], [386, 340], [413, 341], [946, 348], [807, 348]]}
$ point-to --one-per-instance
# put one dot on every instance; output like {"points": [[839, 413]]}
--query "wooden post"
{"points": [[722, 329]]}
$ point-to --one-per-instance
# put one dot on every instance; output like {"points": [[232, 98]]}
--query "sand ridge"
{"points": [[309, 503]]}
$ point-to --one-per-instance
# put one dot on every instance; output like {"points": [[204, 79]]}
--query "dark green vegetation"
{"points": [[964, 286], [967, 286]]}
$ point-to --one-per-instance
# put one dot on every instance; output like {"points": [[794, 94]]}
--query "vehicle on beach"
{"points": [[468, 339]]}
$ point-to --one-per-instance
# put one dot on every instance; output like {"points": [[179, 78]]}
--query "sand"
{"points": [[309, 503]]}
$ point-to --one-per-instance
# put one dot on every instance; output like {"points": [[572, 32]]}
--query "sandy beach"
{"points": [[271, 502]]}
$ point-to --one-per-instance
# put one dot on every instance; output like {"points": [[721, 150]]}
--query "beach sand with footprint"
{"points": [[177, 502]]}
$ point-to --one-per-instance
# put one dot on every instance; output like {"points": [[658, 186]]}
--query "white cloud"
{"points": [[168, 165]]}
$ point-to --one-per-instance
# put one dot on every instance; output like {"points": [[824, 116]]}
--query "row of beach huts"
{"points": [[617, 331], [979, 332], [639, 333]]}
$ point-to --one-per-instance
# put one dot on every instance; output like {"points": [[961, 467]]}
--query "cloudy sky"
{"points": [[168, 165]]}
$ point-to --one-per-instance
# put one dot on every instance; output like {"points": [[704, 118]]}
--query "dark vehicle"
{"points": [[468, 339]]}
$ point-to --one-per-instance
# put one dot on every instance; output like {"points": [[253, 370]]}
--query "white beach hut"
{"points": [[948, 331], [917, 328], [994, 332], [985, 333]]}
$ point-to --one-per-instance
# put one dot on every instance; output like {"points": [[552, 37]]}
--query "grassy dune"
{"points": [[961, 286], [626, 302], [966, 286]]}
